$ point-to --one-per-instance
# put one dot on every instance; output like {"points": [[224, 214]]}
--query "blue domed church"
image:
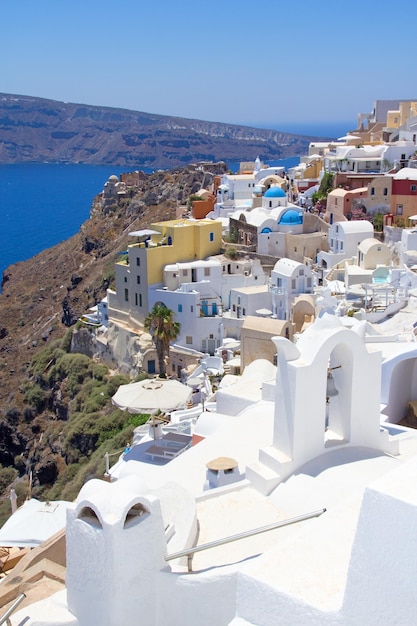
{"points": [[275, 228]]}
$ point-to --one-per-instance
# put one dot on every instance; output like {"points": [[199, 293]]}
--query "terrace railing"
{"points": [[189, 552]]}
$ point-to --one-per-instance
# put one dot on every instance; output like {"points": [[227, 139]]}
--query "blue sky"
{"points": [[267, 64]]}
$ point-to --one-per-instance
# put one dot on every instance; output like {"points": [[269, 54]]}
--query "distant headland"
{"points": [[40, 130]]}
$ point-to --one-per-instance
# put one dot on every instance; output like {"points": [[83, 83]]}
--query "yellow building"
{"points": [[164, 243]]}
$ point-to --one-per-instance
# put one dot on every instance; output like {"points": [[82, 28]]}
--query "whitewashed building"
{"points": [[288, 280], [344, 238], [306, 456], [199, 294]]}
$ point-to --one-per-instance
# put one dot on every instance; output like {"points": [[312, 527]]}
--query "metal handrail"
{"points": [[10, 610], [189, 552], [107, 456]]}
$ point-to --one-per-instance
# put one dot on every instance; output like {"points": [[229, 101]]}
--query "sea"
{"points": [[42, 204]]}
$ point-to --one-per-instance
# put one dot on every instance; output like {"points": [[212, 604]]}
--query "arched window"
{"points": [[88, 515], [134, 513]]}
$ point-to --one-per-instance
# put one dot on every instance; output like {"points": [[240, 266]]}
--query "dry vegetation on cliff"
{"points": [[48, 422]]}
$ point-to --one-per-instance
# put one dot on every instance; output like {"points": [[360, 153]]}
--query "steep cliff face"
{"points": [[36, 129], [42, 297]]}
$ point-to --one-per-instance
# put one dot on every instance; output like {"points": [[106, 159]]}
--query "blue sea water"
{"points": [[330, 130], [42, 204]]}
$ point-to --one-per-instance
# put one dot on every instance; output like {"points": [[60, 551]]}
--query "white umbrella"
{"points": [[413, 218], [263, 312], [147, 396], [337, 286], [356, 289], [347, 137], [33, 523]]}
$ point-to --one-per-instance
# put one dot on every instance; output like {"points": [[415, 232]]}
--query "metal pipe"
{"points": [[248, 533], [10, 610]]}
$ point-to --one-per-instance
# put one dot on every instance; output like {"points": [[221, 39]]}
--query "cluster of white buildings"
{"points": [[295, 503]]}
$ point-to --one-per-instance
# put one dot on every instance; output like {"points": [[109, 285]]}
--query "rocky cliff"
{"points": [[41, 300], [36, 129]]}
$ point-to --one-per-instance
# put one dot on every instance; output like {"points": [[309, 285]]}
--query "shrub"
{"points": [[192, 198], [66, 340], [41, 361], [36, 398], [7, 476], [20, 464], [114, 383], [12, 416], [98, 371], [231, 253], [75, 367], [230, 237], [28, 414]]}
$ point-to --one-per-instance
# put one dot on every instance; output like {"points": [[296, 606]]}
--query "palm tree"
{"points": [[163, 328]]}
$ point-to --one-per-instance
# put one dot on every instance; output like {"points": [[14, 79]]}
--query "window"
{"points": [[335, 201], [308, 283], [211, 236], [184, 272], [301, 271], [341, 245], [126, 295], [138, 280], [188, 340], [211, 336], [243, 311], [234, 307], [206, 271], [378, 248], [180, 308], [399, 209], [140, 299], [414, 188], [372, 191], [293, 284], [279, 282], [125, 279], [191, 308], [238, 300], [385, 191], [337, 228], [137, 261], [136, 299]]}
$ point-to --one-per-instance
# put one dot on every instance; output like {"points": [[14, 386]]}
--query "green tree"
{"points": [[163, 328], [326, 185]]}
